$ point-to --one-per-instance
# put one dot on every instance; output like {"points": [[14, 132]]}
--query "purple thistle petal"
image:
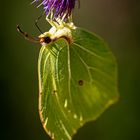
{"points": [[59, 8]]}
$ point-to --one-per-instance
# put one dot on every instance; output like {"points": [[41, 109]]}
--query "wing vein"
{"points": [[69, 74], [55, 87], [88, 51], [84, 63], [91, 67]]}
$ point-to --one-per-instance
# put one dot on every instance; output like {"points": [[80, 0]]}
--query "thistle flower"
{"points": [[61, 9]]}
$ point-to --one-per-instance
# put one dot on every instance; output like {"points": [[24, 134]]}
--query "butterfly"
{"points": [[77, 76]]}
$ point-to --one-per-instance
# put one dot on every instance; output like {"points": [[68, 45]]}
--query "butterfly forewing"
{"points": [[77, 83]]}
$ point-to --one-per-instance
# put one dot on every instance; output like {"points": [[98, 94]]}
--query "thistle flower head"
{"points": [[61, 9]]}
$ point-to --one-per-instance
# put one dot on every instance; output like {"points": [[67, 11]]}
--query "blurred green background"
{"points": [[117, 21]]}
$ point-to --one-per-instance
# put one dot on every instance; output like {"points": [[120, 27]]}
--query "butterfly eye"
{"points": [[45, 40]]}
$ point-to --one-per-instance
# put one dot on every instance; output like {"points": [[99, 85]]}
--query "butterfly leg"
{"points": [[36, 22]]}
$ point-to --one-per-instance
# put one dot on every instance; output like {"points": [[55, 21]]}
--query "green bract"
{"points": [[77, 82]]}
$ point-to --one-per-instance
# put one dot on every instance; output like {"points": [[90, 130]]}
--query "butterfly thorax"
{"points": [[58, 30]]}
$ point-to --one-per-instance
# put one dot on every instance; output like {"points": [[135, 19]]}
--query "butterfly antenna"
{"points": [[26, 36]]}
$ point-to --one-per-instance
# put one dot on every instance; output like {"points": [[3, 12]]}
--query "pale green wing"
{"points": [[77, 83]]}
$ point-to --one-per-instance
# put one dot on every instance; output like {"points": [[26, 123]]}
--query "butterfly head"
{"points": [[45, 40]]}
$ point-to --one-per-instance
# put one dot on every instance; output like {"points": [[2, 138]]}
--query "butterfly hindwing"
{"points": [[77, 83]]}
